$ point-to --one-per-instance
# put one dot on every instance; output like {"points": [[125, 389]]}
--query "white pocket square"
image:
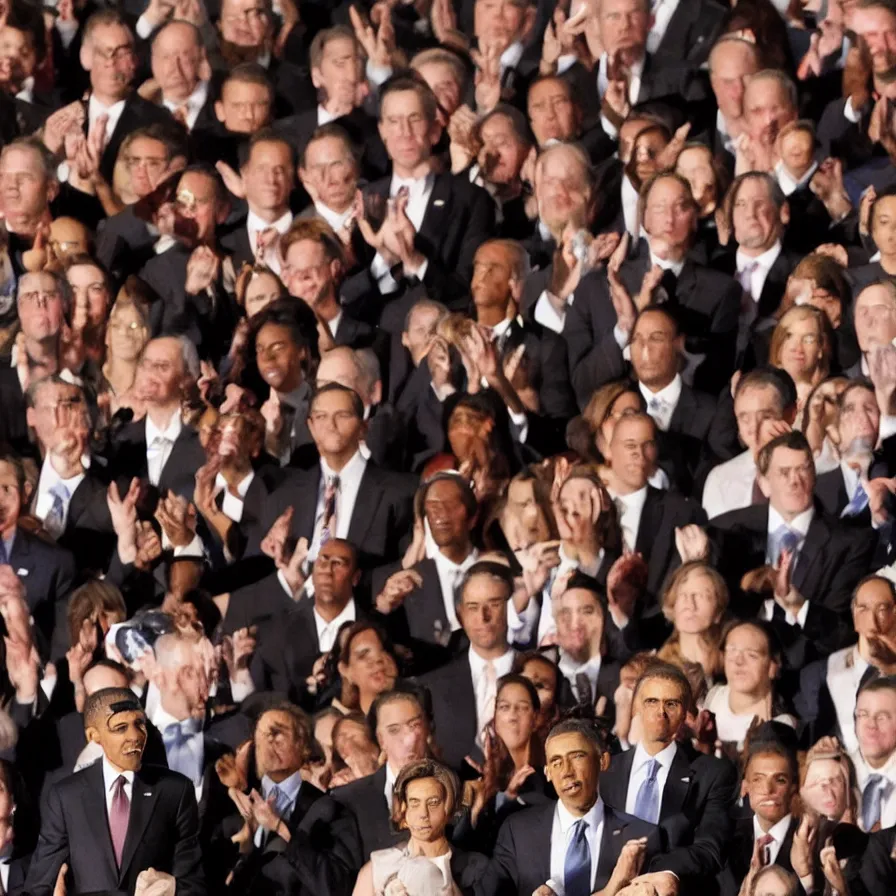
{"points": [[686, 780], [438, 203], [21, 572]]}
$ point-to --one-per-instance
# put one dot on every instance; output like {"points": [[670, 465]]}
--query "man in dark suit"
{"points": [[558, 841], [115, 818], [661, 778], [599, 323], [678, 25], [819, 561]]}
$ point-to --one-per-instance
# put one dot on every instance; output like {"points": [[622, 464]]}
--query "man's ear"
{"points": [[516, 289], [86, 56], [93, 736], [219, 111], [785, 214], [604, 760], [528, 22], [763, 485]]}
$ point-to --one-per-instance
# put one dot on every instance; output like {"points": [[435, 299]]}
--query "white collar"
{"points": [[112, 111], [254, 224], [594, 816], [633, 500], [442, 561], [241, 489], [670, 394], [778, 830], [27, 91], [665, 756], [171, 432], [336, 220], [290, 786], [635, 70], [49, 478], [354, 468], [111, 775], [324, 117], [764, 261], [416, 185], [502, 664], [264, 59], [674, 266], [510, 58], [196, 100], [788, 183], [500, 328], [349, 614], [162, 719], [164, 243], [570, 667], [799, 524]]}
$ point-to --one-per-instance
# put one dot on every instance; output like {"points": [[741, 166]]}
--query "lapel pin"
{"points": [[21, 572], [148, 794], [438, 203], [686, 780], [617, 832]]}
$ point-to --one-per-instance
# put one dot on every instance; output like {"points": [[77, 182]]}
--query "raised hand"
{"points": [[398, 586], [272, 544], [692, 543], [203, 267], [293, 569], [379, 43], [177, 517], [537, 561], [488, 78], [667, 159], [626, 581], [123, 510], [803, 848]]}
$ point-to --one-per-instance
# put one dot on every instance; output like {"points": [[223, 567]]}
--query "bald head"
{"points": [[731, 62]]}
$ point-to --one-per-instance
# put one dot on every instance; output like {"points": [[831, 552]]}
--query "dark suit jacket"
{"points": [[682, 447], [366, 800], [163, 833], [742, 851], [691, 32], [775, 282], [13, 426], [124, 244], [88, 534], [699, 787]]}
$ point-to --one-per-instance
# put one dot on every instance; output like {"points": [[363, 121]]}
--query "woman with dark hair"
{"points": [[547, 680], [760, 23], [605, 408], [366, 664]]}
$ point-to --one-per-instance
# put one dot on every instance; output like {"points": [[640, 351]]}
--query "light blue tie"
{"points": [[785, 539], [177, 738], [55, 521], [647, 803], [577, 865], [858, 503], [877, 787]]}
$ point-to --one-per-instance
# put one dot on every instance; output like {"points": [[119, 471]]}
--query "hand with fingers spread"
{"points": [[444, 26], [293, 568], [67, 120], [803, 849], [668, 157], [398, 586], [149, 546], [692, 543], [378, 43], [882, 370], [626, 582], [123, 511], [438, 360], [488, 77], [177, 517], [832, 868], [203, 267], [537, 562], [878, 491]]}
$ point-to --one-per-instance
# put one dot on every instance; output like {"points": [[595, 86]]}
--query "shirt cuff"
{"points": [[887, 427], [420, 272], [521, 423], [144, 27], [239, 690], [621, 337], [378, 74], [609, 127], [193, 549], [849, 113], [521, 626], [566, 62]]}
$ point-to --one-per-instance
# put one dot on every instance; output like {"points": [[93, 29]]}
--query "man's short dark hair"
{"points": [[774, 738], [403, 690], [467, 495], [333, 131], [108, 701], [588, 728], [268, 135], [357, 404], [491, 568], [874, 577], [882, 683], [294, 316], [411, 81], [667, 672], [794, 441], [770, 378]]}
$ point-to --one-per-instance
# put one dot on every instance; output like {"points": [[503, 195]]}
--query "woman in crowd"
{"points": [[605, 408], [547, 680], [126, 336], [367, 666]]}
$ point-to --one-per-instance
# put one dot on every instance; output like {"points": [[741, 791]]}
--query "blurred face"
{"points": [[191, 685], [122, 735], [68, 237], [883, 226], [18, 58], [696, 604], [629, 130], [876, 725], [56, 408], [369, 667], [633, 452], [246, 23], [669, 217], [353, 737], [801, 349], [877, 28], [752, 407], [337, 367], [10, 498], [767, 108], [161, 371], [278, 748], [126, 334], [335, 574], [483, 613], [176, 58], [655, 350], [331, 171], [580, 624], [561, 191], [873, 611], [503, 153], [790, 481], [147, 162], [279, 358], [626, 403], [402, 732], [825, 788], [757, 222], [466, 429], [426, 810], [268, 177], [493, 276], [730, 66], [446, 514], [40, 307], [749, 667], [109, 57], [405, 130], [623, 28], [695, 166], [530, 526], [196, 200], [797, 151], [262, 290], [339, 72], [501, 22], [552, 113], [573, 766], [769, 784], [335, 427], [23, 184], [875, 317], [88, 285], [662, 708], [544, 678], [443, 82], [244, 107], [515, 716], [645, 152], [417, 338]]}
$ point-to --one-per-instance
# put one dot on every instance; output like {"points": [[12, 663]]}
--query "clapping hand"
{"points": [[398, 586]]}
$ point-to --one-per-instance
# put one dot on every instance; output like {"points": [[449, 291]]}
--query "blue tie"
{"points": [[577, 866], [647, 803], [785, 540], [181, 758], [55, 521], [858, 503], [876, 788]]}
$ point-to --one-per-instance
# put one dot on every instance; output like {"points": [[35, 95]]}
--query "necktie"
{"points": [[328, 529], [487, 695], [181, 758], [628, 536], [55, 521], [577, 865], [764, 842], [647, 802], [118, 817], [668, 288], [858, 503], [583, 689], [265, 240], [785, 539], [657, 408], [181, 115], [745, 277], [868, 675], [877, 788]]}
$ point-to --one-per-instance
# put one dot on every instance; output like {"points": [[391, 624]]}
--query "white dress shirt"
{"points": [[450, 574], [729, 486], [50, 479], [547, 315], [324, 117], [390, 785], [159, 444], [630, 199], [763, 264], [482, 688], [732, 726], [570, 669], [790, 184], [640, 768], [110, 776], [336, 220], [663, 10], [193, 104], [887, 770], [728, 142], [350, 477], [95, 109], [290, 787], [799, 524], [843, 676], [561, 834], [333, 323], [195, 743], [777, 831], [255, 226], [510, 58], [232, 505], [327, 631], [634, 89], [791, 618], [630, 508], [661, 405]]}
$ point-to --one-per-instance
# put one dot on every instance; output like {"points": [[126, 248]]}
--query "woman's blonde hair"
{"points": [[416, 771], [782, 331]]}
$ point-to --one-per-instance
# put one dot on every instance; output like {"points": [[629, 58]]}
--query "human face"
{"points": [[261, 291], [523, 507], [655, 351], [244, 107], [176, 59], [790, 481], [426, 810], [308, 273], [543, 676], [331, 171], [797, 151], [767, 108], [402, 732], [40, 307], [580, 624], [483, 613], [824, 790], [757, 223], [446, 514], [669, 217], [695, 166], [515, 716], [337, 367], [875, 317], [408, 135], [245, 23], [466, 428], [23, 185], [552, 113], [418, 337], [883, 226], [629, 130], [68, 237], [109, 57], [370, 667], [801, 349], [752, 407], [279, 359], [877, 27], [730, 67], [769, 784], [625, 403], [748, 664], [87, 283], [493, 280], [443, 82], [278, 748], [499, 23], [54, 405], [503, 153], [876, 725], [190, 684], [335, 574], [161, 372], [18, 58], [353, 738], [646, 150], [197, 202], [268, 177], [561, 191], [633, 452], [335, 427], [662, 708], [696, 607], [623, 28], [126, 334], [339, 72], [10, 498], [873, 611], [147, 162], [573, 766], [122, 736]]}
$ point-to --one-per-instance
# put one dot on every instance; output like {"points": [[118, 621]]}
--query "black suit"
{"points": [[775, 282], [699, 787], [366, 800], [682, 446], [163, 833], [88, 534], [741, 853], [691, 32], [13, 426], [124, 244]]}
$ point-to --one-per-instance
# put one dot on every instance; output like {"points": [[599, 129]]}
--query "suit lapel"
{"points": [[437, 215], [684, 410], [307, 509], [94, 808], [370, 494], [809, 560], [614, 787], [678, 781], [611, 843], [650, 522], [143, 799]]}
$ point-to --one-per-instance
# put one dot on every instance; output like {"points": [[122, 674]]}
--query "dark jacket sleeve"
{"points": [[52, 848], [186, 865]]}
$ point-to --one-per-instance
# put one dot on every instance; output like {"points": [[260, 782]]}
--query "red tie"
{"points": [[764, 843], [118, 817]]}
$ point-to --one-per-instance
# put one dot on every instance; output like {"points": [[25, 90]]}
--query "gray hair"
{"points": [[368, 367], [783, 79], [733, 40], [425, 305], [46, 158]]}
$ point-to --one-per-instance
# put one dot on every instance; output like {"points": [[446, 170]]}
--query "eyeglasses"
{"points": [[746, 653], [879, 718], [151, 163], [39, 297], [114, 54]]}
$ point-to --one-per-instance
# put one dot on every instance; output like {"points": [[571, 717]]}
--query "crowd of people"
{"points": [[448, 448]]}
